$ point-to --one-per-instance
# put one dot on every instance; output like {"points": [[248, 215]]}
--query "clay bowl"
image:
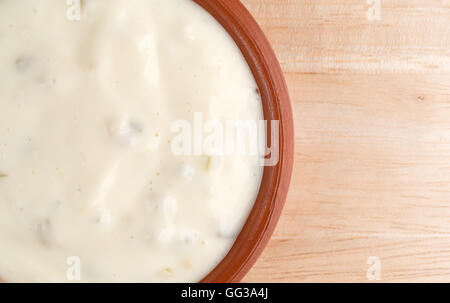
{"points": [[263, 218]]}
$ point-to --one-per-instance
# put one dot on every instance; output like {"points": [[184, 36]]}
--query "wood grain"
{"points": [[371, 102]]}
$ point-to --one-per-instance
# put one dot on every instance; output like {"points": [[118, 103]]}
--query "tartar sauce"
{"points": [[90, 188]]}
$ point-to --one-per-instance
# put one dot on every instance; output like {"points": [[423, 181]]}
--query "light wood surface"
{"points": [[371, 100]]}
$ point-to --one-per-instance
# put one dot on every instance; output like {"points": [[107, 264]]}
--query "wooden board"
{"points": [[370, 195]]}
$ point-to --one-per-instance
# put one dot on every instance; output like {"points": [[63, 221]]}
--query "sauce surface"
{"points": [[87, 169]]}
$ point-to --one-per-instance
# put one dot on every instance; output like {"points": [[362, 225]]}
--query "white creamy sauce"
{"points": [[86, 165]]}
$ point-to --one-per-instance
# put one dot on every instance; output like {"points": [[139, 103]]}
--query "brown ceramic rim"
{"points": [[264, 216]]}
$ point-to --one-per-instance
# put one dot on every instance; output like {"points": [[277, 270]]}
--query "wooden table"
{"points": [[370, 195]]}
